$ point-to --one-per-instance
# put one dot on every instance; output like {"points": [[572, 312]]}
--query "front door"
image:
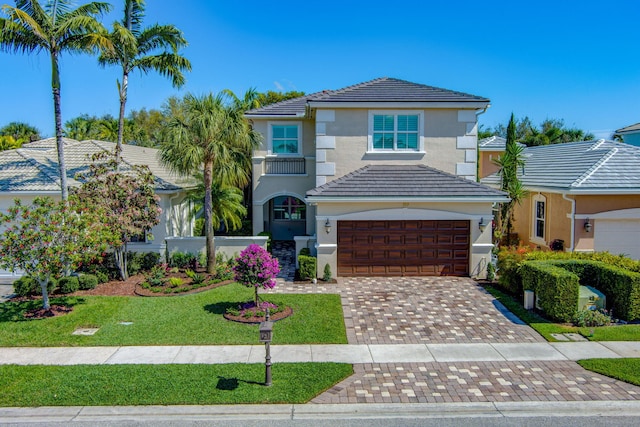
{"points": [[288, 218]]}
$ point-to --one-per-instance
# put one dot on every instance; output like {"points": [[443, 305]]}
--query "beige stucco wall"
{"points": [[481, 245], [557, 224], [487, 166]]}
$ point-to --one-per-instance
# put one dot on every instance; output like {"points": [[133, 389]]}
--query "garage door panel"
{"points": [[410, 248]]}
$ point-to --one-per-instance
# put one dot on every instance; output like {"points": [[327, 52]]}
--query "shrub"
{"points": [[87, 281], [591, 318], [149, 260], [327, 273], [196, 278], [27, 286], [557, 289], [509, 262], [491, 271], [183, 260], [69, 284], [305, 252], [134, 263], [102, 276], [174, 282], [156, 275], [308, 267]]}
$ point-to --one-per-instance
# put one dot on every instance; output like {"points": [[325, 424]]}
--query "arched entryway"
{"points": [[287, 217]]}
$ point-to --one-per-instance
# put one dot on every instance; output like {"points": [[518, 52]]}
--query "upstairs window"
{"points": [[395, 132], [284, 139]]}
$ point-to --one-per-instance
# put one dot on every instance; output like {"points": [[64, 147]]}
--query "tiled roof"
{"points": [[494, 143], [34, 166], [392, 181], [601, 166], [380, 90], [631, 128]]}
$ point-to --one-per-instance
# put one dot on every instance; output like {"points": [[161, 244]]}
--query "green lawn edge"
{"points": [[195, 319], [126, 385], [545, 327], [627, 370]]}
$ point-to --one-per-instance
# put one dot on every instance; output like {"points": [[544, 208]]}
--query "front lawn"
{"points": [[114, 385], [545, 327], [194, 319], [627, 370]]}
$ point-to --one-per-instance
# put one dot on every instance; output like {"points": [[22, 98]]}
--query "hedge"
{"points": [[68, 284], [308, 267], [27, 286], [556, 289], [621, 287]]}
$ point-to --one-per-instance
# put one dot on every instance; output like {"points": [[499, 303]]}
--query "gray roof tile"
{"points": [[384, 89], [34, 166], [407, 181], [580, 166], [494, 143], [630, 128]]}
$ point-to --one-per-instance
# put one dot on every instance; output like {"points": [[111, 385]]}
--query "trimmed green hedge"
{"points": [[556, 282], [308, 267], [557, 289]]}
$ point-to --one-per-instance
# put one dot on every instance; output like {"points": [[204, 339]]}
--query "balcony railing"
{"points": [[285, 166]]}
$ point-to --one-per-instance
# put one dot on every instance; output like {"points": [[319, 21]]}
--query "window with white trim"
{"points": [[539, 217], [395, 131], [285, 139]]}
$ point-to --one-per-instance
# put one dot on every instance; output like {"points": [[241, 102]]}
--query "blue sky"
{"points": [[566, 59]]}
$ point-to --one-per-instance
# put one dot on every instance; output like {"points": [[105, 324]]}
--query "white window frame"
{"points": [[396, 113], [539, 198], [270, 126]]}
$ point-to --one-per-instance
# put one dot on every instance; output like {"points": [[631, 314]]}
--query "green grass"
{"points": [[194, 319], [545, 327], [115, 385], [627, 370]]}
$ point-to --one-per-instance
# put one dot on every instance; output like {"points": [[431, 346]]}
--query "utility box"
{"points": [[591, 299], [529, 300]]}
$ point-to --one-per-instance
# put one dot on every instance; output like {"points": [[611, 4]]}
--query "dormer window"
{"points": [[395, 131], [285, 139]]}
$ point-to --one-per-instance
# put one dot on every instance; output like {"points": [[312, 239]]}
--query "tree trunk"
{"points": [[123, 102], [120, 254], [208, 213], [55, 86], [45, 293]]}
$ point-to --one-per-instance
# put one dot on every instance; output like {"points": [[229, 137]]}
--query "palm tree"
{"points": [[134, 48], [21, 131], [209, 133], [54, 27], [227, 206]]}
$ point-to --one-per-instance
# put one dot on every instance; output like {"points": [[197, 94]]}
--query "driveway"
{"points": [[420, 310]]}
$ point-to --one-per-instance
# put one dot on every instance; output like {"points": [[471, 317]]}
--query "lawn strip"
{"points": [[118, 385], [195, 319], [627, 370]]}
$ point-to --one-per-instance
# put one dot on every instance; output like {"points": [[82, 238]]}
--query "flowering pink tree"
{"points": [[255, 267], [47, 238], [127, 196]]}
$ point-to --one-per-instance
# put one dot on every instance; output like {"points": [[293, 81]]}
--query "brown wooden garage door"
{"points": [[403, 248]]}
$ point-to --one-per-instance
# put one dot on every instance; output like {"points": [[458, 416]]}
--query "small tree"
{"points": [[47, 238], [128, 199], [255, 267]]}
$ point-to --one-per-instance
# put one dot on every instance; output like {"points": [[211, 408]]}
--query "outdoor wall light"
{"points": [[482, 225], [587, 225], [327, 226]]}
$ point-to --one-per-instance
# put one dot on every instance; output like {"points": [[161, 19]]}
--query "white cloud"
{"points": [[279, 86]]}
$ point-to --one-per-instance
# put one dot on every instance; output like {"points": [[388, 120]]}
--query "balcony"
{"points": [[284, 166]]}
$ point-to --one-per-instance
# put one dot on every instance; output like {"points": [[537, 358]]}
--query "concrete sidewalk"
{"points": [[344, 353]]}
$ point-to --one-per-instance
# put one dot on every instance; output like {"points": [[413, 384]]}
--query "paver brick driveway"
{"points": [[419, 310]]}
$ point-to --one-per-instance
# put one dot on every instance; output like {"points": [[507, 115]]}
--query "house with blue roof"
{"points": [[583, 196]]}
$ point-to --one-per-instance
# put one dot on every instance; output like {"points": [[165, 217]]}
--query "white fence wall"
{"points": [[230, 246]]}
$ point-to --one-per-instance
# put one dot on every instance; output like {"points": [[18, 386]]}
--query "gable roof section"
{"points": [[394, 182], [34, 166], [629, 129], [494, 143], [381, 90], [580, 167]]}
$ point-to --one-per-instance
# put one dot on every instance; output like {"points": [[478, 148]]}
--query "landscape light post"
{"points": [[266, 332]]}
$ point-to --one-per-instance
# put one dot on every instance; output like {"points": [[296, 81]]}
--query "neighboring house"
{"points": [[586, 194], [491, 149], [32, 171], [630, 134], [382, 173]]}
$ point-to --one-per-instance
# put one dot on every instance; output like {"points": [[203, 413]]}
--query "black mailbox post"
{"points": [[266, 332]]}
